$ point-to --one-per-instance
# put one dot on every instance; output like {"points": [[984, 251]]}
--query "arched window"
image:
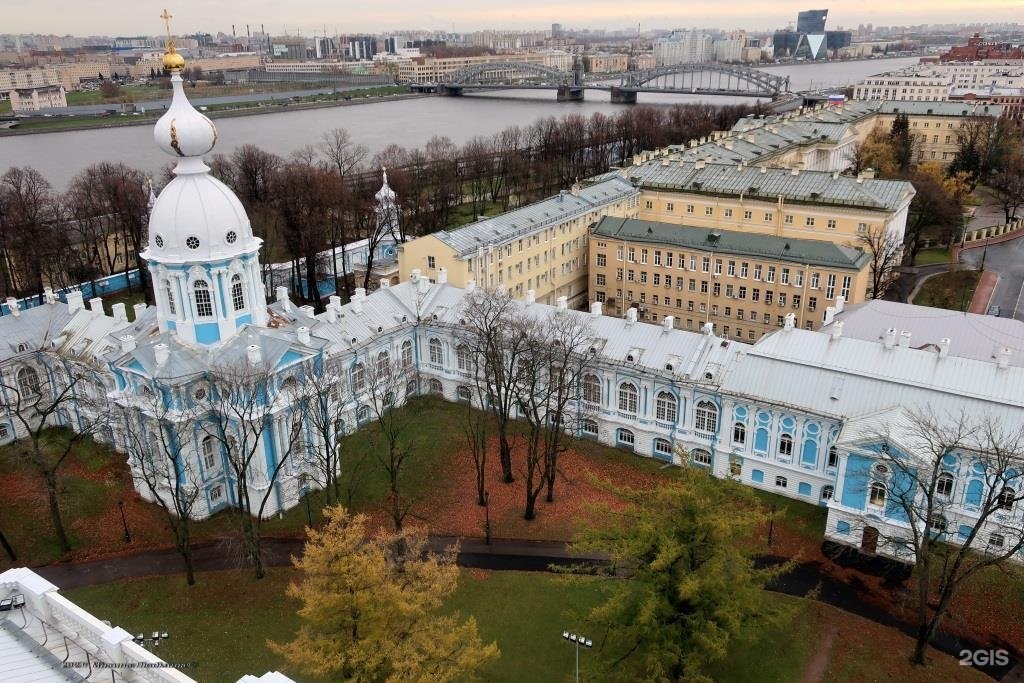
{"points": [[172, 308], [624, 436], [706, 417], [665, 407], [1006, 498], [589, 428], [699, 456], [209, 453], [383, 363], [944, 485], [876, 494], [204, 304], [464, 394], [827, 492], [786, 445], [363, 414], [739, 433], [436, 387], [28, 381], [663, 447], [464, 358], [833, 456], [938, 524], [237, 293], [410, 388], [406, 354], [358, 377], [436, 352], [628, 398], [591, 389]]}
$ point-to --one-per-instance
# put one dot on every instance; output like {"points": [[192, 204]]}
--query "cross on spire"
{"points": [[167, 16]]}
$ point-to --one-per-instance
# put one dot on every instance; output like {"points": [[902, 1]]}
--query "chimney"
{"points": [[1003, 360], [96, 305], [127, 343], [944, 347], [332, 314], [790, 321], [708, 329], [357, 303], [830, 314], [282, 298], [840, 303], [630, 316], [74, 300], [595, 309], [253, 353], [307, 310], [835, 175], [442, 275], [384, 283], [12, 306], [49, 296], [905, 339], [302, 334], [562, 302], [139, 310], [668, 323], [415, 274], [531, 296], [794, 171], [837, 330], [423, 285], [890, 338], [162, 352], [334, 301], [699, 164], [561, 195], [120, 313], [359, 293], [470, 285]]}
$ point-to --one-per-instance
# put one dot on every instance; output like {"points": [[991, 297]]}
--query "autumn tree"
{"points": [[370, 608], [1007, 183], [687, 584], [935, 210], [877, 152]]}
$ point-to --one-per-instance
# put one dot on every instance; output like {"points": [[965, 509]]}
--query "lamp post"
{"points": [[124, 522], [154, 638], [578, 640], [487, 517]]}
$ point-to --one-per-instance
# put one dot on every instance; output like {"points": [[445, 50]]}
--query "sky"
{"points": [[141, 17]]}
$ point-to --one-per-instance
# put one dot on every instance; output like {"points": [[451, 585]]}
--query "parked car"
{"points": [[993, 310]]}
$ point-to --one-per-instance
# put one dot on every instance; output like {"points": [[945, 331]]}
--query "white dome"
{"points": [[385, 193], [182, 131], [198, 218]]}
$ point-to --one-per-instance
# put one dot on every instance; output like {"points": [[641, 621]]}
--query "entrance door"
{"points": [[869, 541]]}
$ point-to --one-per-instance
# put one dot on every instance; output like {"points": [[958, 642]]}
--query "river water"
{"points": [[410, 123]]}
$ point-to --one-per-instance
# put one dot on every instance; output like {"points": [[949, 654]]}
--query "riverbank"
{"points": [[264, 107]]}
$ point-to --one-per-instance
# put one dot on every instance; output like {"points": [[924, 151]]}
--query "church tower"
{"points": [[202, 255]]}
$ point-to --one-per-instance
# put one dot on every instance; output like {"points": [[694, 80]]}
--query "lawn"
{"points": [[935, 255], [952, 290], [464, 213], [5, 106], [222, 623]]}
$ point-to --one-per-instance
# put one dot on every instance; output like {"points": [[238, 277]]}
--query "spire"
{"points": [[173, 62], [152, 195], [385, 193]]}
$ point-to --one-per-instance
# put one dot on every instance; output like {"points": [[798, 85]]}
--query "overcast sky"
{"points": [[135, 17]]}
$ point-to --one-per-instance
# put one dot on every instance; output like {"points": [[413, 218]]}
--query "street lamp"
{"points": [[155, 638], [487, 516], [578, 640], [124, 522]]}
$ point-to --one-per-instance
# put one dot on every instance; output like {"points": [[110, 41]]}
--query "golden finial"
{"points": [[172, 60]]}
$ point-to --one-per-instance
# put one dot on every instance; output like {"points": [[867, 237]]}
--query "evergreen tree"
{"points": [[902, 142]]}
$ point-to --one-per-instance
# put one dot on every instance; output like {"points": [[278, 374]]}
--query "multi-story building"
{"points": [[432, 69], [27, 100], [539, 249], [11, 79], [743, 284], [605, 63], [931, 86], [978, 49], [688, 47], [936, 126]]}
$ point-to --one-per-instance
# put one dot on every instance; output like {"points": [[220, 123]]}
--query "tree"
{"points": [[876, 152], [341, 153], [381, 380], [33, 245], [924, 450], [370, 608], [318, 400], [1007, 184], [885, 252], [474, 429], [110, 89], [902, 141], [934, 208], [692, 587]]}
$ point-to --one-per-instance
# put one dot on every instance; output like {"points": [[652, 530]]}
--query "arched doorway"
{"points": [[869, 541]]}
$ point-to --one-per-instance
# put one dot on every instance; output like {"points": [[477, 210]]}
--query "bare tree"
{"points": [[475, 431], [382, 379], [1007, 184], [319, 399], [341, 153], [30, 241], [245, 412], [955, 481], [885, 253]]}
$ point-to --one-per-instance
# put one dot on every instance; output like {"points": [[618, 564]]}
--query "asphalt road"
{"points": [[1007, 259]]}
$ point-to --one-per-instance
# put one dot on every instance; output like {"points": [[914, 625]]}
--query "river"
{"points": [[410, 123]]}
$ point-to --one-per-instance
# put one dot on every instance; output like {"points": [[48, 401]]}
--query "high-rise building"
{"points": [[811, 21], [556, 30], [362, 47]]}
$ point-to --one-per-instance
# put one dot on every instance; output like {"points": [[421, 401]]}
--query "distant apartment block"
{"points": [[28, 100]]}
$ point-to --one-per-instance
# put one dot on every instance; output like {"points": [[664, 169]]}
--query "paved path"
{"points": [[983, 292], [1006, 259]]}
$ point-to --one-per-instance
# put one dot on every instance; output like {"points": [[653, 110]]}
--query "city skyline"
{"points": [[310, 17]]}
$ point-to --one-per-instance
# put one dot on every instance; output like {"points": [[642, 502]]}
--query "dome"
{"points": [[173, 61], [198, 218], [385, 193], [182, 131]]}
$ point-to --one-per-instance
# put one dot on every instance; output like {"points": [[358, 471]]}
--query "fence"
{"points": [[103, 287], [993, 231]]}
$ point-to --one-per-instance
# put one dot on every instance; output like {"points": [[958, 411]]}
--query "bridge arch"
{"points": [[755, 79], [478, 73]]}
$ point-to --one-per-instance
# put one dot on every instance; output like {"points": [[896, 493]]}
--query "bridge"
{"points": [[693, 79]]}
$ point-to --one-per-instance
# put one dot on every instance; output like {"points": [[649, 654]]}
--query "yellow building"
{"points": [[936, 126], [540, 248], [604, 63], [34, 99], [743, 283], [433, 69]]}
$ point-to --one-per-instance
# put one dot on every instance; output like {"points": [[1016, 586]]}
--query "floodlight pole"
{"points": [[577, 640]]}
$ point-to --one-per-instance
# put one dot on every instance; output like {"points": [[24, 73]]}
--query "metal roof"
{"points": [[802, 251]]}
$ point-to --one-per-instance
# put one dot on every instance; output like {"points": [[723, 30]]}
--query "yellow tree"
{"points": [[370, 608]]}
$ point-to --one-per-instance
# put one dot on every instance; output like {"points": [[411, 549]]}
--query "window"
{"points": [[383, 364], [591, 389], [363, 414], [781, 482], [28, 381], [747, 215], [831, 223], [431, 262], [407, 354], [209, 453], [706, 417], [627, 398], [169, 295], [464, 394], [944, 485], [358, 377], [464, 358], [624, 436], [663, 447], [216, 494], [700, 457], [237, 293], [996, 541], [876, 494], [827, 492], [1006, 498], [786, 445], [809, 222], [436, 352], [5, 431], [833, 456], [739, 433], [789, 219], [589, 427], [204, 305], [435, 386], [830, 290], [938, 524], [601, 260], [665, 407]]}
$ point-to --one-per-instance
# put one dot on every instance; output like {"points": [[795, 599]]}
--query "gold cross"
{"points": [[167, 16]]}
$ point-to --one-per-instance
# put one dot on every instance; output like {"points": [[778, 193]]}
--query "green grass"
{"points": [[927, 257], [125, 297], [5, 106], [806, 519], [952, 290], [464, 214]]}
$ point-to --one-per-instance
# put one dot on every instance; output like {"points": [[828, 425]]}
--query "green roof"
{"points": [[801, 251]]}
